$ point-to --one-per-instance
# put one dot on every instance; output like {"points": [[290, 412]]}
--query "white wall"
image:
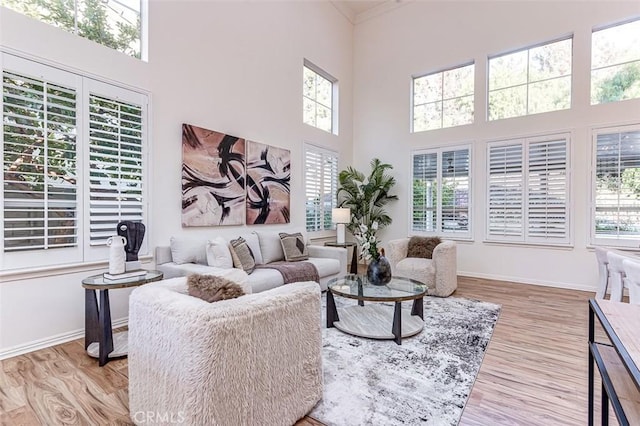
{"points": [[426, 36], [235, 67]]}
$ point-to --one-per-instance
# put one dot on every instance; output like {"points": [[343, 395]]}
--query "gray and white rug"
{"points": [[425, 381]]}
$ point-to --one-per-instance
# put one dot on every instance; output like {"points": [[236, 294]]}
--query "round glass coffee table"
{"points": [[376, 321]]}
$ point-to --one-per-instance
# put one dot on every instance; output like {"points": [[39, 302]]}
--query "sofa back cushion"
{"points": [[270, 246], [188, 250], [242, 255], [218, 253], [293, 247]]}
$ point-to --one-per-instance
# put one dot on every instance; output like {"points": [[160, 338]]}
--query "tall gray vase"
{"points": [[379, 271]]}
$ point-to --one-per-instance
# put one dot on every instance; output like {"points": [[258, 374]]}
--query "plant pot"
{"points": [[379, 271]]}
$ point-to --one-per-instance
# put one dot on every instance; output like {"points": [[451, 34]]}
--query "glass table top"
{"points": [[358, 287], [98, 282]]}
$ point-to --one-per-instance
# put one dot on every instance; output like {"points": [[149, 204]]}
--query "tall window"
{"points": [[530, 81], [73, 161], [112, 23], [321, 187], [528, 190], [615, 63], [319, 93], [443, 99], [616, 186], [441, 187]]}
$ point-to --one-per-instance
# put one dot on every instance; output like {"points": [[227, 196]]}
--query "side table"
{"points": [[98, 334], [354, 257]]}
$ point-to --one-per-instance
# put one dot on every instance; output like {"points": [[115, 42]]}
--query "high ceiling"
{"points": [[358, 10]]}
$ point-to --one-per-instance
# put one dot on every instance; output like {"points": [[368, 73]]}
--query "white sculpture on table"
{"points": [[117, 255]]}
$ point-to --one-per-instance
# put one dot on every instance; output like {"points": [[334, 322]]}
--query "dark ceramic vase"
{"points": [[379, 271]]}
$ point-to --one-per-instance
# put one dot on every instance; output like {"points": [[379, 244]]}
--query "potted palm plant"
{"points": [[366, 196]]}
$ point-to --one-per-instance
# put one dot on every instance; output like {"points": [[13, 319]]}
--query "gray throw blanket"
{"points": [[293, 272]]}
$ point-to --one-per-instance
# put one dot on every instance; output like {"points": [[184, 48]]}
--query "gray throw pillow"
{"points": [[242, 255], [294, 247], [422, 246]]}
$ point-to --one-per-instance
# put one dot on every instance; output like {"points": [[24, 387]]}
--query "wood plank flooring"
{"points": [[534, 371]]}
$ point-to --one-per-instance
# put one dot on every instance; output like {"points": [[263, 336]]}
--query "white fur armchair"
{"points": [[254, 360], [439, 273]]}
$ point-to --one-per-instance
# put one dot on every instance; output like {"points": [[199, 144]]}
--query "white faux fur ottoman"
{"points": [[254, 360]]}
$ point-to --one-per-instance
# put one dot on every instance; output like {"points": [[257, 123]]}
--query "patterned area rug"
{"points": [[426, 380]]}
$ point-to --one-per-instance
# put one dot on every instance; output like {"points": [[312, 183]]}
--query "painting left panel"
{"points": [[213, 178]]}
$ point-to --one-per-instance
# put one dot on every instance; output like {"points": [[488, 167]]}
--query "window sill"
{"points": [[557, 246], [48, 271]]}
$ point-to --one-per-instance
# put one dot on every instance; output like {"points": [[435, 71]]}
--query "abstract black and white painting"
{"points": [[268, 184], [213, 178]]}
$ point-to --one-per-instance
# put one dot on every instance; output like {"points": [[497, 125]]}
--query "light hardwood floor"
{"points": [[534, 371]]}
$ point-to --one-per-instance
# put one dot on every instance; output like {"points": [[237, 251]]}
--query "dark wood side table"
{"points": [[354, 257], [98, 334]]}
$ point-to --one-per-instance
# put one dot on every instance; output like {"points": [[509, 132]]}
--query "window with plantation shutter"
{"points": [[616, 187], [73, 152], [528, 190], [115, 165], [441, 183], [321, 186]]}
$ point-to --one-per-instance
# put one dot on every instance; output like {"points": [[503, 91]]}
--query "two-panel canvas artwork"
{"points": [[227, 180]]}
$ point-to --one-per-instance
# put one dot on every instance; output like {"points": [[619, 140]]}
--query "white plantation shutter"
{"points": [[74, 152], [441, 185], [548, 190], [115, 165], [617, 187], [321, 186], [506, 182], [455, 191], [40, 214], [425, 192], [528, 190]]}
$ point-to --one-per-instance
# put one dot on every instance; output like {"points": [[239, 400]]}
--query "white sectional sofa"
{"points": [[188, 255]]}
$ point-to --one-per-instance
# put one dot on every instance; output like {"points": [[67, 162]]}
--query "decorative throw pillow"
{"points": [[270, 246], [293, 247], [254, 244], [242, 255], [211, 288], [422, 246], [188, 250], [218, 253]]}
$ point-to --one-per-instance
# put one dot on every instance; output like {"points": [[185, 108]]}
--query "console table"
{"points": [[617, 360], [99, 340]]}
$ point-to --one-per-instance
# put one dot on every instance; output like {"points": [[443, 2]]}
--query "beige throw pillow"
{"points": [[294, 247], [242, 255], [422, 246]]}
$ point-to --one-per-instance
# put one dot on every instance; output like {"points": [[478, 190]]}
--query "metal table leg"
{"points": [[397, 323]]}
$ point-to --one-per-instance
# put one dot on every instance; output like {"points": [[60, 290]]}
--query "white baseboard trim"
{"points": [[58, 339], [556, 284]]}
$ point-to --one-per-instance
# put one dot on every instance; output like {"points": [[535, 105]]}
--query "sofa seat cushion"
{"points": [[325, 266], [418, 269], [265, 279]]}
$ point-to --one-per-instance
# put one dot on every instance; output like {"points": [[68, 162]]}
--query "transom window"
{"points": [[443, 99], [528, 190], [112, 23], [530, 81], [615, 63], [320, 186], [319, 90], [616, 186], [441, 188]]}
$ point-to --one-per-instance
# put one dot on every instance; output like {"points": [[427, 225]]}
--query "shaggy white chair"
{"points": [[440, 273], [254, 360]]}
